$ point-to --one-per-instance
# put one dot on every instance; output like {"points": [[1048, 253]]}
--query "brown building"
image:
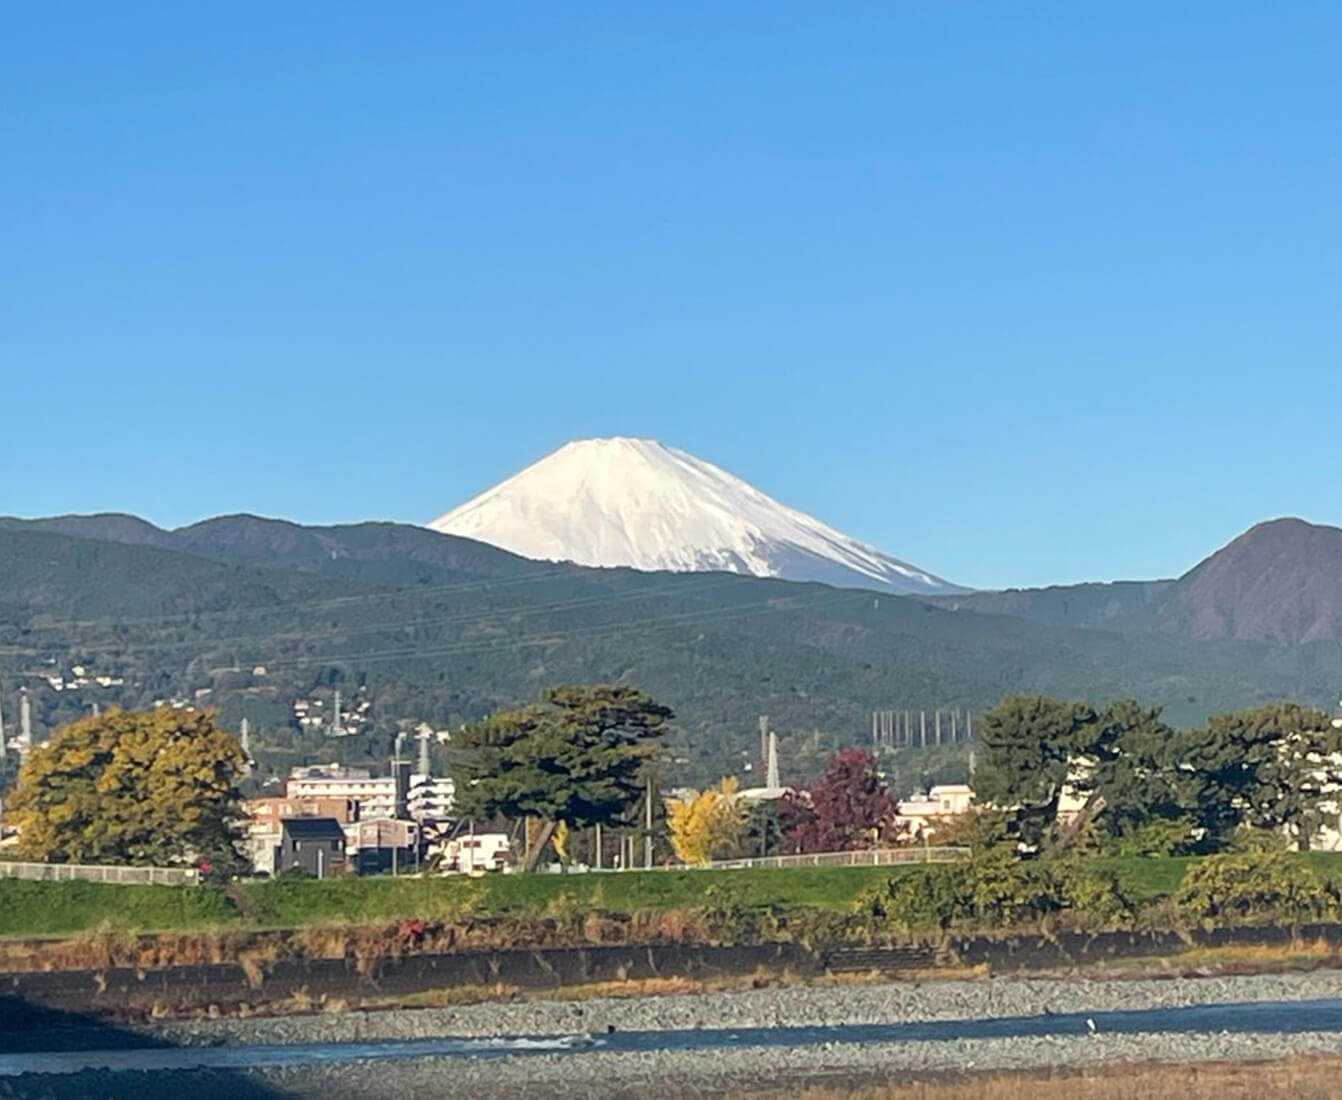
{"points": [[265, 815]]}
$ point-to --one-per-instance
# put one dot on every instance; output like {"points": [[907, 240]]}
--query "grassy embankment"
{"points": [[62, 908], [68, 908]]}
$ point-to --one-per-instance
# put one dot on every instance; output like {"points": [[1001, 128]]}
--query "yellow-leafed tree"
{"points": [[150, 788], [707, 825]]}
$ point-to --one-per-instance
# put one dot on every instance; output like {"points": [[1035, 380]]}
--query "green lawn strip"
{"points": [[291, 903], [1146, 878], [66, 908], [61, 908], [656, 891], [296, 903], [1324, 864]]}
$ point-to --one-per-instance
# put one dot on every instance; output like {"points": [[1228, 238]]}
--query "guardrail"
{"points": [[90, 872], [872, 857]]}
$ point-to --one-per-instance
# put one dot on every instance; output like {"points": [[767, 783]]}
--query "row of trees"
{"points": [[1148, 788], [164, 786], [848, 807]]}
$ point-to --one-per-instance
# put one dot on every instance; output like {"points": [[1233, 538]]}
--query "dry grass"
{"points": [[1305, 1078]]}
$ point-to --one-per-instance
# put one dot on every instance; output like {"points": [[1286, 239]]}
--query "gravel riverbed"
{"points": [[651, 1075], [780, 1006]]}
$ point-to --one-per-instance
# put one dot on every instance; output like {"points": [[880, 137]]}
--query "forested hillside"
{"points": [[444, 630]]}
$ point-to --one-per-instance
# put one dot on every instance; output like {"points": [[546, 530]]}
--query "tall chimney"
{"points": [[25, 721], [424, 752]]}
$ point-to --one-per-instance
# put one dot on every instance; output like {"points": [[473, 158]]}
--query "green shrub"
{"points": [[997, 890], [1094, 895], [1252, 888], [728, 916], [1007, 891], [1161, 836], [1248, 840], [924, 899]]}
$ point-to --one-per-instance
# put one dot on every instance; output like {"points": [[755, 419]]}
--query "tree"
{"points": [[1129, 773], [849, 807], [797, 822], [580, 756], [1273, 767], [151, 788], [708, 825], [762, 834], [1030, 746]]}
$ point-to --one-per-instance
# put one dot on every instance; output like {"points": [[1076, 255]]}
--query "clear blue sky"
{"points": [[1023, 293]]}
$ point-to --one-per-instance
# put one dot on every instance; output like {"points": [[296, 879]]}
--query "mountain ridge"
{"points": [[448, 638], [1280, 581]]}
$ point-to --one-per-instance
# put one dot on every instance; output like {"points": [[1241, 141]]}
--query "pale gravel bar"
{"points": [[783, 1006], [604, 1075]]}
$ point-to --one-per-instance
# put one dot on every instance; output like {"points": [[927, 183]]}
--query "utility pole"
{"points": [[647, 835]]}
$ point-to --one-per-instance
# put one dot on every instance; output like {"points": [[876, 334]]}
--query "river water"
{"points": [[1270, 1017]]}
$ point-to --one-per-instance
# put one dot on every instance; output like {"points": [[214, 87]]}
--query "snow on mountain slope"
{"points": [[639, 503]]}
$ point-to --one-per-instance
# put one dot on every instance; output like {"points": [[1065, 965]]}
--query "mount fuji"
{"points": [[641, 504]]}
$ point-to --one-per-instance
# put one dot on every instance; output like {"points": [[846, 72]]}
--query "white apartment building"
{"points": [[942, 801], [429, 797]]}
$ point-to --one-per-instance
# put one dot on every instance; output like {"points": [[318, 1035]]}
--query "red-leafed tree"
{"points": [[846, 808]]}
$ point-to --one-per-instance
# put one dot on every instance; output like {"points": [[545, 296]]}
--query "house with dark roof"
{"points": [[315, 845]]}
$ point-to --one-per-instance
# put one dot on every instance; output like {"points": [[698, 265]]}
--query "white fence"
{"points": [[84, 872], [874, 857]]}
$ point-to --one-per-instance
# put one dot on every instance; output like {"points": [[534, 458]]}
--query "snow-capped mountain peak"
{"points": [[639, 503]]}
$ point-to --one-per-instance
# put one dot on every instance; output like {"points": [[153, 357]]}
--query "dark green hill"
{"points": [[444, 629], [380, 553], [1280, 581]]}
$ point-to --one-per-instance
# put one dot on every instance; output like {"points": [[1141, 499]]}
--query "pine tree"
{"points": [[1272, 767], [1031, 745], [580, 756]]}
